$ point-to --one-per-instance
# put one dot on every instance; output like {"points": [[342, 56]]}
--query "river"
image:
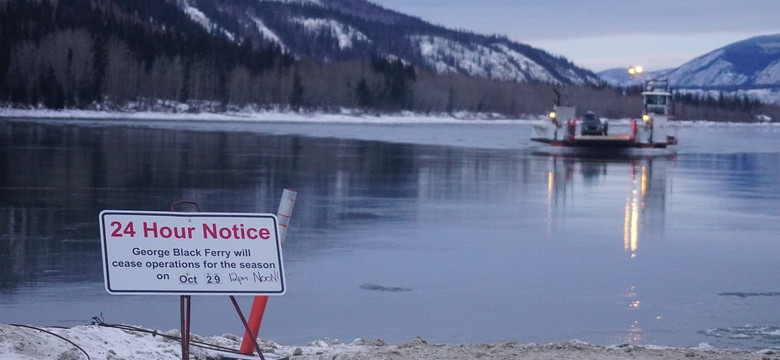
{"points": [[451, 232]]}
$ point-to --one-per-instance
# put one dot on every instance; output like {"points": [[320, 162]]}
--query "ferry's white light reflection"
{"points": [[635, 203], [643, 188]]}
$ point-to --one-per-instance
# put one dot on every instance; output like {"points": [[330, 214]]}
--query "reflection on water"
{"points": [[56, 179], [646, 203], [645, 188], [522, 247]]}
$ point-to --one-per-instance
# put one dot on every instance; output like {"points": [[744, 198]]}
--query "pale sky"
{"points": [[603, 34]]}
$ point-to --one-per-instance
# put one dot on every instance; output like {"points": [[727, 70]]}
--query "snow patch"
{"points": [[527, 65], [494, 62], [199, 17], [266, 32], [345, 34], [315, 2], [196, 15], [770, 75]]}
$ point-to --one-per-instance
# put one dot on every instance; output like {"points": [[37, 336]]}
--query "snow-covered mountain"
{"points": [[750, 63], [337, 30], [750, 67]]}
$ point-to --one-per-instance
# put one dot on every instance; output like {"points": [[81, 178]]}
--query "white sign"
{"points": [[185, 253]]}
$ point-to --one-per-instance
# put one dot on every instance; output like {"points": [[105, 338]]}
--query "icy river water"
{"points": [[454, 232]]}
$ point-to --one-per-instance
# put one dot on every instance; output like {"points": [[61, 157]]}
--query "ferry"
{"points": [[564, 130]]}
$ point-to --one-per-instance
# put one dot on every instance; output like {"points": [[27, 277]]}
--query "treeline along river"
{"points": [[453, 232]]}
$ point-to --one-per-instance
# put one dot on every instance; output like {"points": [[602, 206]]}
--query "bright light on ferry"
{"points": [[553, 115], [645, 118], [635, 70]]}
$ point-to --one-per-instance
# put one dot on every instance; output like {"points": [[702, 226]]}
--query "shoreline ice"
{"points": [[101, 342], [345, 116]]}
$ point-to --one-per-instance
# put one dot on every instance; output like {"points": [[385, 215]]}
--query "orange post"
{"points": [[255, 318], [259, 303]]}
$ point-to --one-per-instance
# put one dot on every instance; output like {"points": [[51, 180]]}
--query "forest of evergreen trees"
{"points": [[79, 52], [89, 54]]}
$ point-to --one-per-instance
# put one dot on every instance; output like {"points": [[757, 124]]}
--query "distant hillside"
{"points": [[751, 63], [750, 67], [193, 55], [321, 55], [339, 30], [746, 68]]}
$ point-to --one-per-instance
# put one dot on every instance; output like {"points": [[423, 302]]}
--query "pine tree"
{"points": [[363, 94], [296, 95]]}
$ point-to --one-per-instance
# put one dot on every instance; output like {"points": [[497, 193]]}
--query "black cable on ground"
{"points": [[100, 322], [51, 333]]}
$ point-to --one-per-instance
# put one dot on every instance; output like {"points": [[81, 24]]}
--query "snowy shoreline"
{"points": [[22, 342], [345, 116]]}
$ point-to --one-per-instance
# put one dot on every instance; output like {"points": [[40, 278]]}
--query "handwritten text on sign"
{"points": [[146, 252]]}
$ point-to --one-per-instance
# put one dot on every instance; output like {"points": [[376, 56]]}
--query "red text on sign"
{"points": [[212, 231], [120, 231], [152, 230]]}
